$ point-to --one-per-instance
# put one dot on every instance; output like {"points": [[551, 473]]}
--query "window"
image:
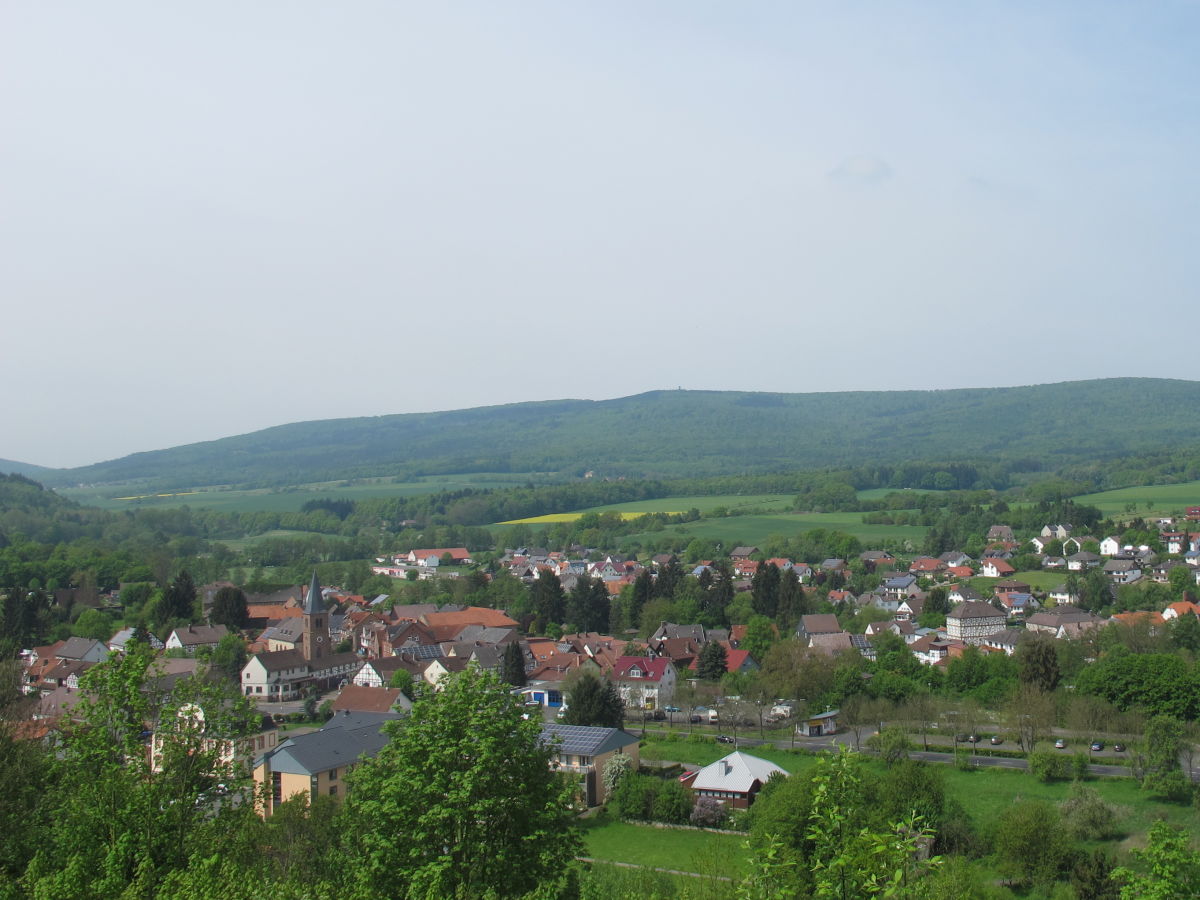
{"points": [[276, 787], [333, 774], [333, 790]]}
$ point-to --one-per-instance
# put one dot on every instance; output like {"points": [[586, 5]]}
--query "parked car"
{"points": [[1118, 748], [1097, 745], [671, 709], [960, 738], [996, 740], [973, 739], [724, 739], [694, 719], [1060, 744]]}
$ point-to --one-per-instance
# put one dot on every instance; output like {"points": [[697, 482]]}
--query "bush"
{"points": [[1086, 816], [673, 804], [708, 813], [1169, 787], [635, 795], [1046, 765], [1081, 767]]}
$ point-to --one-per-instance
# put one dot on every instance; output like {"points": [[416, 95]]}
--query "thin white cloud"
{"points": [[862, 170]]}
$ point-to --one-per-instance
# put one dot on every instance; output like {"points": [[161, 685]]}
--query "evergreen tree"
{"points": [[592, 700], [513, 669], [549, 600], [643, 592], [764, 590], [1037, 662], [178, 599], [712, 663], [668, 580], [229, 609]]}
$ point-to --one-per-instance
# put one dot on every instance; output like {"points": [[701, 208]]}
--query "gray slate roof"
{"points": [[342, 742]]}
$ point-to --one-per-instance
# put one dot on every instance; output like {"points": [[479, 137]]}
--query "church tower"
{"points": [[315, 640]]}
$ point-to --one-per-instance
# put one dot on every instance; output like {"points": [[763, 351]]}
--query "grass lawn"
{"points": [[1162, 498], [985, 793], [1040, 580], [684, 850]]}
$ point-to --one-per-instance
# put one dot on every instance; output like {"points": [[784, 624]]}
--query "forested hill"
{"points": [[689, 433], [19, 468]]}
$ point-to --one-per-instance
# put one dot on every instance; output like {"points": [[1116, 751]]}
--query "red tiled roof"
{"points": [[653, 669]]}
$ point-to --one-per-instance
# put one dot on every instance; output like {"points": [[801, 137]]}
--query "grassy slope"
{"points": [[288, 499], [1162, 498], [983, 792], [682, 850]]}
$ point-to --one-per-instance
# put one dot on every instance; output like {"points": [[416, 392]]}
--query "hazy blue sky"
{"points": [[221, 216]]}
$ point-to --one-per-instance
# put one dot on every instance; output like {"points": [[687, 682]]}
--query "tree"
{"points": [[593, 700], [229, 656], [229, 609], [759, 636], [712, 663], [1091, 877], [618, 766], [462, 801], [1086, 815], [1029, 715], [124, 816], [1172, 867], [403, 679], [513, 666], [549, 600], [764, 590], [1037, 662], [178, 600]]}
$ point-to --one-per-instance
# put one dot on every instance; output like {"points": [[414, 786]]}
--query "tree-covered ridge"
{"points": [[693, 433]]}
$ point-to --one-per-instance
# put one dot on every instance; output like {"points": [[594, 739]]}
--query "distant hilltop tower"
{"points": [[316, 624]]}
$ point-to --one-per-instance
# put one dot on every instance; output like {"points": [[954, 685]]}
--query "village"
{"points": [[352, 661]]}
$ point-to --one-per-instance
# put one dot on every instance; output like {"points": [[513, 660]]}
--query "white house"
{"points": [[971, 622], [644, 682], [191, 638], [1110, 546]]}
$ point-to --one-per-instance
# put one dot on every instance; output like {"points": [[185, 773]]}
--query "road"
{"points": [[981, 760]]}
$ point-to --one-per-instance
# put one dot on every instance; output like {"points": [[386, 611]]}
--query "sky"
{"points": [[225, 216]]}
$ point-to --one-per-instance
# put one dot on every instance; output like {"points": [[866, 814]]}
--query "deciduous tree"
{"points": [[462, 801]]}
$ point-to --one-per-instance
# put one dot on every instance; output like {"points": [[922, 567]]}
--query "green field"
{"points": [[756, 529], [684, 850], [1155, 499], [284, 499], [1040, 580]]}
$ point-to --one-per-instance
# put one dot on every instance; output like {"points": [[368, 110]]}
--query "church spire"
{"points": [[314, 603]]}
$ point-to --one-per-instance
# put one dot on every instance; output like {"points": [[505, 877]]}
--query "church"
{"points": [[291, 674]]}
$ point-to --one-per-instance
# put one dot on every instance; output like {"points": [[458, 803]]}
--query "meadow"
{"points": [[755, 529], [984, 792], [1039, 580], [686, 850], [1155, 499], [283, 499]]}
